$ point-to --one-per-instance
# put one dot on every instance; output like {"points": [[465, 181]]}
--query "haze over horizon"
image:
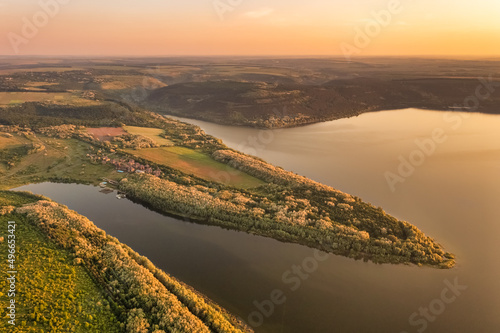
{"points": [[222, 27]]}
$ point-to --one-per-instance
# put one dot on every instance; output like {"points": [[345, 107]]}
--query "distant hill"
{"points": [[269, 105]]}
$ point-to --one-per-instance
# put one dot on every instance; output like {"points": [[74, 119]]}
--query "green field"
{"points": [[113, 68], [152, 133], [13, 98], [193, 162], [53, 294], [129, 81], [234, 70]]}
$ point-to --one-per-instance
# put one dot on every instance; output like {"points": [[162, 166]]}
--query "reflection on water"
{"points": [[452, 196]]}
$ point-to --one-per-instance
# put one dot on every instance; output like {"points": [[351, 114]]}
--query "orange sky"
{"points": [[250, 27]]}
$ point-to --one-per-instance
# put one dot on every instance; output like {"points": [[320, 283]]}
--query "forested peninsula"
{"points": [[176, 168]]}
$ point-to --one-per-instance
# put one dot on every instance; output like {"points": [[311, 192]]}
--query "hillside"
{"points": [[261, 104]]}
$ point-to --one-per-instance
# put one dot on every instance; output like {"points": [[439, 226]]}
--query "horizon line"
{"points": [[249, 56]]}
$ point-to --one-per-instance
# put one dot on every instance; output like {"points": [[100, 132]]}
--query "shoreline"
{"points": [[314, 122]]}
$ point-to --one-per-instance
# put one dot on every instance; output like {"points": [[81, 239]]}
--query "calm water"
{"points": [[451, 194]]}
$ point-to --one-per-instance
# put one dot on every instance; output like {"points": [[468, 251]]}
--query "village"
{"points": [[125, 165], [121, 165]]}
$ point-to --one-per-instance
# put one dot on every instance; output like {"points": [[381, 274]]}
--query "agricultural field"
{"points": [[113, 67], [35, 69], [235, 70], [193, 162], [39, 86], [106, 133], [53, 293], [151, 133], [172, 70], [14, 98], [114, 82]]}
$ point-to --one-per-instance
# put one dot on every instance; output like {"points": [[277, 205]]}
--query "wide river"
{"points": [[437, 170]]}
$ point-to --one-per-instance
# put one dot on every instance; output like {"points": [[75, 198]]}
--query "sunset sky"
{"points": [[249, 27]]}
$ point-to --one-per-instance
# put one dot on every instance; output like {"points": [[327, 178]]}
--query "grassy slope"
{"points": [[7, 142], [193, 162], [56, 161], [141, 294], [54, 294]]}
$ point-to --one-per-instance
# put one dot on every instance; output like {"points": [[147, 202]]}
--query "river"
{"points": [[448, 185]]}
